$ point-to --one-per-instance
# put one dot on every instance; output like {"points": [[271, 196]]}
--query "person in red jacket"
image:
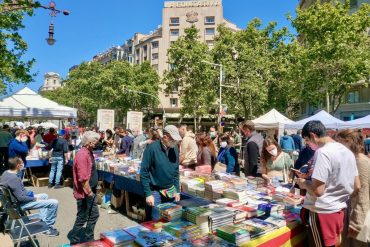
{"points": [[49, 137]]}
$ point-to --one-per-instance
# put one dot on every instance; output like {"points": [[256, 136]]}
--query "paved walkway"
{"points": [[67, 215]]}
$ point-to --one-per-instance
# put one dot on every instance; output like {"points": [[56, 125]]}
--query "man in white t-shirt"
{"points": [[334, 179]]}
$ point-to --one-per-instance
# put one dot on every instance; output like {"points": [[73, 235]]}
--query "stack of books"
{"points": [[233, 234], [216, 186], [117, 238], [197, 215], [251, 212], [254, 231], [170, 211], [239, 215], [258, 223], [220, 217], [182, 229], [225, 201], [236, 194]]}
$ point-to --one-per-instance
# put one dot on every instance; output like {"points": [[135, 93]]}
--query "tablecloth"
{"points": [[289, 236], [37, 163]]}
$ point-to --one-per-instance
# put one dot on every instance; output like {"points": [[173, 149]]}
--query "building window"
{"points": [[353, 97], [55, 82], [175, 21], [155, 44], [209, 20], [210, 31], [210, 43], [174, 32], [154, 56], [174, 102]]}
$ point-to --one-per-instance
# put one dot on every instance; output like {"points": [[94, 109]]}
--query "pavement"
{"points": [[67, 214]]}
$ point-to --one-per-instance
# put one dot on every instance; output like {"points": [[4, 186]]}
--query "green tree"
{"points": [[255, 61], [13, 69], [94, 86], [334, 52], [195, 80]]}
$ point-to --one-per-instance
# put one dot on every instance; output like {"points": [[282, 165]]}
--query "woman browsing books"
{"points": [[275, 164]]}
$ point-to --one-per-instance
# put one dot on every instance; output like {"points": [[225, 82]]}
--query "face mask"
{"points": [[24, 139], [273, 152], [212, 134], [21, 167], [223, 144]]}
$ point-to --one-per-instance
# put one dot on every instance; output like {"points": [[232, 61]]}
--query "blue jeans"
{"points": [[57, 164], [48, 208]]}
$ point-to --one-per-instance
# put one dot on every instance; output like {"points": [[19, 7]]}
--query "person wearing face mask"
{"points": [[18, 146], [27, 199], [275, 164], [228, 155], [334, 178], [214, 137], [159, 174]]}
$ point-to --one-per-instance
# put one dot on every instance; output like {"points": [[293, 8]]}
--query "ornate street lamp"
{"points": [[22, 5]]}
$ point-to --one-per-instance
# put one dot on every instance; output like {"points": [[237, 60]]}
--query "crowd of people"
{"points": [[332, 172]]}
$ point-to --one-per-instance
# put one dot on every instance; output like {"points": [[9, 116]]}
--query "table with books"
{"points": [[216, 210]]}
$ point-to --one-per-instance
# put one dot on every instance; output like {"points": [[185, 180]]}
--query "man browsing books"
{"points": [[159, 174]]}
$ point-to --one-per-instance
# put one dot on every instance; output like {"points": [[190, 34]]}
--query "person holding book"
{"points": [[159, 174], [275, 164]]}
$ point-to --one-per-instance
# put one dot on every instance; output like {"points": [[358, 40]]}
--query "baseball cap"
{"points": [[173, 131], [61, 132]]}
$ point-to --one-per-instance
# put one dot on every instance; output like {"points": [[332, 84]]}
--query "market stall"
{"points": [[28, 104], [235, 211], [328, 120], [272, 121], [360, 123]]}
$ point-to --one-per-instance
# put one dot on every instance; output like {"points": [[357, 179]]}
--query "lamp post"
{"points": [[151, 95], [220, 92], [24, 5]]}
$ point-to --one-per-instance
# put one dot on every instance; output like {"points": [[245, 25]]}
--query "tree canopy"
{"points": [[94, 86], [334, 52], [13, 69]]}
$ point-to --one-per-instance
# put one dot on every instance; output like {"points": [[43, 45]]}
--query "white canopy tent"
{"points": [[28, 104], [328, 120], [360, 123], [271, 121]]}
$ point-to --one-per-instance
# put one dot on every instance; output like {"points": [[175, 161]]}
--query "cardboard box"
{"points": [[117, 200], [138, 217], [40, 181]]}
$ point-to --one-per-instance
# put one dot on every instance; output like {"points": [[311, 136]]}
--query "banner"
{"points": [[134, 120], [105, 119]]}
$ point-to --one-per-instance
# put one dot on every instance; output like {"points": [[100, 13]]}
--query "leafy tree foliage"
{"points": [[196, 81], [335, 51], [13, 69], [94, 86]]}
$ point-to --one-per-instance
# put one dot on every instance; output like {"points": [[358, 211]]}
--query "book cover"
{"points": [[116, 237], [149, 239], [97, 243]]}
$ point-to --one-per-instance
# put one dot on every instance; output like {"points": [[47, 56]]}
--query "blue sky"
{"points": [[96, 25]]}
